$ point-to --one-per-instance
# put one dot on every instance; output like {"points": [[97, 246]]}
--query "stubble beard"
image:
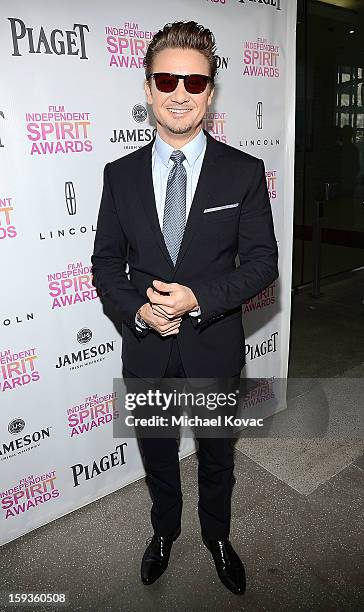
{"points": [[179, 129]]}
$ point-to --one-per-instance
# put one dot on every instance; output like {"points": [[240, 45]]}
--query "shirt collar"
{"points": [[192, 149]]}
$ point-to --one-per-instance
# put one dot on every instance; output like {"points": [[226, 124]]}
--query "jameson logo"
{"points": [[24, 443], [85, 357], [57, 42], [132, 138], [82, 358]]}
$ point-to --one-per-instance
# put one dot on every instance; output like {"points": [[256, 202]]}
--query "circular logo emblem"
{"points": [[139, 113], [16, 426], [84, 335]]}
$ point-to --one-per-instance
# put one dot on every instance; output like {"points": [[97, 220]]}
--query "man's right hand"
{"points": [[164, 325]]}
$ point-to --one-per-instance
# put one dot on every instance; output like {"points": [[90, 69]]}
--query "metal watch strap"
{"points": [[140, 319]]}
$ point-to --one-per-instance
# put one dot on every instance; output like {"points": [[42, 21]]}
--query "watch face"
{"points": [[139, 319]]}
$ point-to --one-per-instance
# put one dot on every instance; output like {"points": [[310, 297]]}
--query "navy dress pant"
{"points": [[215, 474]]}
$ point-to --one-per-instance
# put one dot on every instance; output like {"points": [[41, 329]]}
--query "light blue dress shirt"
{"points": [[194, 152]]}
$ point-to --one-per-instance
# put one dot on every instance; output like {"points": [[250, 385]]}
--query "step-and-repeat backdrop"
{"points": [[71, 100]]}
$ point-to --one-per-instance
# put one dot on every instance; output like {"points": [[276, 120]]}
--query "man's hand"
{"points": [[164, 326], [171, 300]]}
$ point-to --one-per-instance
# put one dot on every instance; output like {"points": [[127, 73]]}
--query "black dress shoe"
{"points": [[229, 566], [156, 557]]}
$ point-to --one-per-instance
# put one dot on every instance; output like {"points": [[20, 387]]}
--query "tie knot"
{"points": [[177, 156]]}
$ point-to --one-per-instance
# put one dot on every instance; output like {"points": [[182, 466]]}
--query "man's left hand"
{"points": [[178, 299]]}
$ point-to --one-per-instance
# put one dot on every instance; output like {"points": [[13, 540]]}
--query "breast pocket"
{"points": [[217, 213]]}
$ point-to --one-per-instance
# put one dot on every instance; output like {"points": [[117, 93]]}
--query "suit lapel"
{"points": [[146, 193], [203, 194]]}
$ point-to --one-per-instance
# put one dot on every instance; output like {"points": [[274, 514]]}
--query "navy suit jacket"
{"points": [[128, 231]]}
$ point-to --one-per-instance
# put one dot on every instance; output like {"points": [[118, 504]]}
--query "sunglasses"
{"points": [[166, 82]]}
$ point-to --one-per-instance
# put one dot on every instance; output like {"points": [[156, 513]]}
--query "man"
{"points": [[178, 211]]}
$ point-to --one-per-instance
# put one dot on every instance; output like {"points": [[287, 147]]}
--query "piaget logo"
{"points": [[268, 345], [273, 3], [55, 42], [84, 472]]}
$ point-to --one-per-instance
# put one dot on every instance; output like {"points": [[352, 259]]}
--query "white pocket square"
{"points": [[221, 207]]}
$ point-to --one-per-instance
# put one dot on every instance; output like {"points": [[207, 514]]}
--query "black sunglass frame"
{"points": [[178, 77]]}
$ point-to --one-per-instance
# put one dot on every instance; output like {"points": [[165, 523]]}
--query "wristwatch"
{"points": [[140, 319]]}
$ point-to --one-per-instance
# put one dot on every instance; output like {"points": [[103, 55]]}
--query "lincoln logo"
{"points": [[57, 42], [3, 117], [69, 191], [259, 115], [222, 62]]}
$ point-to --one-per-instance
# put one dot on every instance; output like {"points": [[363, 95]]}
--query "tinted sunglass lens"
{"points": [[165, 82], [196, 83]]}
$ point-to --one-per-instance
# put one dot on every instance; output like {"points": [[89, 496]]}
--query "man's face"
{"points": [[179, 112]]}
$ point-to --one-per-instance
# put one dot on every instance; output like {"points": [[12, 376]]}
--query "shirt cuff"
{"points": [[196, 314]]}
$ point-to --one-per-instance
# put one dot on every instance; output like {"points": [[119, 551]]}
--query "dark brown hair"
{"points": [[184, 35]]}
